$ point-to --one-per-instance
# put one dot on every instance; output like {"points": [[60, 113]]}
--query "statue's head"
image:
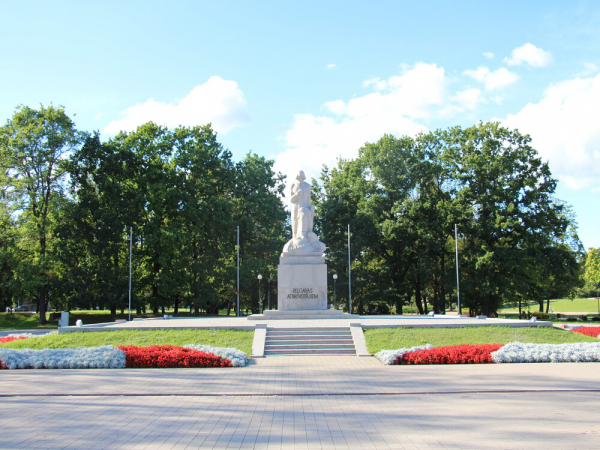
{"points": [[301, 176]]}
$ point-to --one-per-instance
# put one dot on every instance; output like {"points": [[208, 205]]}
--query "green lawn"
{"points": [[395, 338], [560, 305], [240, 339], [21, 321]]}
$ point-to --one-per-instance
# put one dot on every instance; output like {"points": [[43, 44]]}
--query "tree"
{"points": [[403, 196], [592, 268], [33, 148]]}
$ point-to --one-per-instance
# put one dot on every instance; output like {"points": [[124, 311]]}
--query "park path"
{"points": [[304, 403]]}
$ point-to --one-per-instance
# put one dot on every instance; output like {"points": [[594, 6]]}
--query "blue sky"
{"points": [[306, 82]]}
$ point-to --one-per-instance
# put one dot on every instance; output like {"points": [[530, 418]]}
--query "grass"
{"points": [[22, 321], [240, 339], [560, 305], [395, 338], [25, 321]]}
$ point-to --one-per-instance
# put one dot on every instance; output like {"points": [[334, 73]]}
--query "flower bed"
{"points": [[513, 352], [104, 357], [107, 357], [588, 331], [518, 352], [389, 357], [454, 354], [170, 356], [5, 339], [237, 357]]}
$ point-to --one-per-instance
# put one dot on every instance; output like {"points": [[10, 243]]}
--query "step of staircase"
{"points": [[309, 341]]}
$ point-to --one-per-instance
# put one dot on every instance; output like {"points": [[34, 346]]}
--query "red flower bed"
{"points": [[170, 356], [4, 340], [588, 331], [454, 354]]}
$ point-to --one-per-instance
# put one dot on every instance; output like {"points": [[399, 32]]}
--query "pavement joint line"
{"points": [[321, 394]]}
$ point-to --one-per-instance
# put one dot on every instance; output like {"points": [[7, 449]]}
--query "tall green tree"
{"points": [[592, 268], [33, 148]]}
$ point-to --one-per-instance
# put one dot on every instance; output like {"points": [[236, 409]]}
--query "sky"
{"points": [[305, 83]]}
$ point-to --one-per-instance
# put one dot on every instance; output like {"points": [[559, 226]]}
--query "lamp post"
{"points": [[335, 277], [259, 299]]}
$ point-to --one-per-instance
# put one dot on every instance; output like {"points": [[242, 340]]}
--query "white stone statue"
{"points": [[304, 241]]}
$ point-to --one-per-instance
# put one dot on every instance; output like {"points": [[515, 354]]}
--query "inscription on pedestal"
{"points": [[302, 293]]}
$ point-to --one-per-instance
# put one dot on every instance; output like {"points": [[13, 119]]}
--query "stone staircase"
{"points": [[309, 341]]}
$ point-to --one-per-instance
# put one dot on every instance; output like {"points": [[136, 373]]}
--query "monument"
{"points": [[302, 272]]}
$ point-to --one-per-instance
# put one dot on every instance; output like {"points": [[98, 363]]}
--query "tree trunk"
{"points": [[41, 307], [485, 310], [520, 307], [548, 306], [113, 310], [418, 301], [176, 306]]}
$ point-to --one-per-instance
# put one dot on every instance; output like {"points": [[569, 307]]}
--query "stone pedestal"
{"points": [[302, 291], [301, 283]]}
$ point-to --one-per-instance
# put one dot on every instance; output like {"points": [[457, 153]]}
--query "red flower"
{"points": [[454, 354], [4, 340], [588, 331], [170, 356]]}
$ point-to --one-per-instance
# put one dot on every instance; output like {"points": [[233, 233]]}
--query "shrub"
{"points": [[596, 319], [539, 314], [588, 331], [454, 354], [571, 319], [583, 318], [170, 356]]}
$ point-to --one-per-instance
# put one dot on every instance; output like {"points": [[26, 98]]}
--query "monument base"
{"points": [[300, 314], [301, 284]]}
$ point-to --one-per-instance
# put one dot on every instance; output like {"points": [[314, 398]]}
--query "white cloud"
{"points": [[466, 100], [330, 66], [529, 53], [99, 115], [488, 55], [493, 80], [565, 130], [588, 69], [396, 105], [218, 101]]}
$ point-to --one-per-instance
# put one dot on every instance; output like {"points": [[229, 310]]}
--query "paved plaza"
{"points": [[304, 403]]}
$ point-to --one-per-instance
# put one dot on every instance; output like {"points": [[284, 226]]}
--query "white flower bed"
{"points": [[25, 335], [104, 357], [517, 352], [237, 357], [389, 356]]}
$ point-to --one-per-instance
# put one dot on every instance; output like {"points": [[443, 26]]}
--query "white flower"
{"points": [[517, 352], [237, 357], [64, 358]]}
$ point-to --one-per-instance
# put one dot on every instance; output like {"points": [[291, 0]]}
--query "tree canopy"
{"points": [[403, 197], [69, 201]]}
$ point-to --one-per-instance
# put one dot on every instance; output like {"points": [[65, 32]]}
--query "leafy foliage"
{"points": [[402, 199]]}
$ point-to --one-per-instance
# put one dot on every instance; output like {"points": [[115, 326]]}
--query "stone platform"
{"points": [[242, 323], [310, 314]]}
